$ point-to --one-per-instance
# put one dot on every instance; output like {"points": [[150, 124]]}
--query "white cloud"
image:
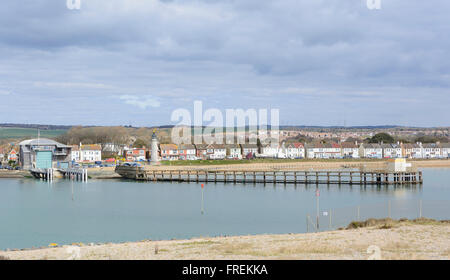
{"points": [[72, 85], [302, 56], [141, 102]]}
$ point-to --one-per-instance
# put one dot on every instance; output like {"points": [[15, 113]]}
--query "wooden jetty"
{"points": [[284, 177]]}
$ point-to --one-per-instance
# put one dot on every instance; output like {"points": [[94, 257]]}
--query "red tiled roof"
{"points": [[168, 147], [298, 145]]}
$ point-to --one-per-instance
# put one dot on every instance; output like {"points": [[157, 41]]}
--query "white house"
{"points": [[114, 148], [13, 155], [234, 151], [169, 151], [324, 151], [391, 150], [270, 151], [75, 154], [445, 150], [90, 152], [249, 149], [219, 151], [371, 151], [413, 150], [350, 150], [295, 150], [431, 151], [187, 152]]}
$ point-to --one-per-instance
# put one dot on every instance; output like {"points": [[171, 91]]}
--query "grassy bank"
{"points": [[18, 133], [275, 161], [245, 161], [395, 239]]}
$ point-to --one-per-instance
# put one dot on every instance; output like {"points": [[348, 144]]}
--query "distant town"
{"points": [[94, 146]]}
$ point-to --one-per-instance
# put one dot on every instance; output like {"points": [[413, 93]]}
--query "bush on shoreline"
{"points": [[388, 223]]}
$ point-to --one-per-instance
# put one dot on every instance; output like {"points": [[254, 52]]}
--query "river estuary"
{"points": [[36, 213]]}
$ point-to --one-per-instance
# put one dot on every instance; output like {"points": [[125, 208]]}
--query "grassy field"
{"points": [[15, 133]]}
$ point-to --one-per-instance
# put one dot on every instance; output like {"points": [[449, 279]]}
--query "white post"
{"points": [[389, 209], [307, 223], [202, 202], [317, 203], [420, 208], [330, 218]]}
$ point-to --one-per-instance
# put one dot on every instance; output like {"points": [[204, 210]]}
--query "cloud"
{"points": [[314, 55], [72, 85], [140, 102]]}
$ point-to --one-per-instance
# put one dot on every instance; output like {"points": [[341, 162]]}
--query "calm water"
{"points": [[36, 213]]}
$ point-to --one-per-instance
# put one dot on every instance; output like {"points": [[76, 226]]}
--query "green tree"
{"points": [[139, 143], [382, 137]]}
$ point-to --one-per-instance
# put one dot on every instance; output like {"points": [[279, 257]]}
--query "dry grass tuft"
{"points": [[235, 248], [388, 223], [370, 223]]}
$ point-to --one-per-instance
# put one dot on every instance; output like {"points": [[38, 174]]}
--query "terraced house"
{"points": [[432, 150], [295, 150], [135, 154], [323, 151], [249, 150], [269, 151], [412, 150], [203, 151], [392, 150], [371, 151], [445, 150], [187, 152], [2, 154], [350, 150], [169, 151], [234, 151], [219, 151]]}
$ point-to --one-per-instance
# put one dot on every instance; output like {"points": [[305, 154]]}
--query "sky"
{"points": [[133, 62]]}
